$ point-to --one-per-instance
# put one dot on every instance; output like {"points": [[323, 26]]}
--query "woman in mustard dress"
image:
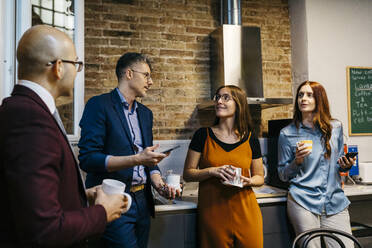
{"points": [[228, 216]]}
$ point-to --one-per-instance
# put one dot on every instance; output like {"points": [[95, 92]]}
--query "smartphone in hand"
{"points": [[170, 149], [351, 154]]}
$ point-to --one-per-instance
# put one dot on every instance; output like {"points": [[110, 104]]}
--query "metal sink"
{"points": [[186, 201], [168, 205]]}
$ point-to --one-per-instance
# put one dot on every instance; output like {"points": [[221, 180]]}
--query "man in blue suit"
{"points": [[116, 142]]}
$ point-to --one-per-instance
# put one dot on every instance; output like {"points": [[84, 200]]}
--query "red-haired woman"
{"points": [[229, 216], [315, 197]]}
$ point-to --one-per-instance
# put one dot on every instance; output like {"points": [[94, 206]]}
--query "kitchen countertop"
{"points": [[357, 189], [189, 199], [264, 194]]}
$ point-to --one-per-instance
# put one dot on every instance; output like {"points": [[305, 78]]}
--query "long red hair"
{"points": [[322, 116]]}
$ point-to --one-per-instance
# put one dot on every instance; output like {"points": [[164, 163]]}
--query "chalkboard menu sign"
{"points": [[359, 96]]}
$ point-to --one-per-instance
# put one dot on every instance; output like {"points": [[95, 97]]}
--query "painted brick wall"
{"points": [[175, 35]]}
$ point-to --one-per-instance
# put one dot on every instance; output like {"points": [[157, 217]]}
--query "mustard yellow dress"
{"points": [[228, 216]]}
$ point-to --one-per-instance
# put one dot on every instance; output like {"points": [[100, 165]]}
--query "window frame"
{"points": [[15, 20]]}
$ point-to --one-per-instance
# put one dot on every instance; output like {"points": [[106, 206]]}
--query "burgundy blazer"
{"points": [[43, 202]]}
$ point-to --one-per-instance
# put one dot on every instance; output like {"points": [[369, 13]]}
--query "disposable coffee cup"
{"points": [[308, 144], [113, 187], [173, 180]]}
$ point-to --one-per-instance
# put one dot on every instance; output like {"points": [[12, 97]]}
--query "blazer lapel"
{"points": [[118, 107], [22, 90]]}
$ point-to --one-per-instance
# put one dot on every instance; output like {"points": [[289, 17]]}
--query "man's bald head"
{"points": [[38, 46]]}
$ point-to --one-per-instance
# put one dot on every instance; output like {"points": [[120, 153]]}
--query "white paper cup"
{"points": [[113, 187], [173, 180]]}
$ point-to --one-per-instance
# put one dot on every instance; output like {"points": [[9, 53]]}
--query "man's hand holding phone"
{"points": [[167, 151], [149, 157]]}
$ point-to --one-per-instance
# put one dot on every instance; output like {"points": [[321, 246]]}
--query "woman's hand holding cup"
{"points": [[303, 149], [246, 181], [224, 172]]}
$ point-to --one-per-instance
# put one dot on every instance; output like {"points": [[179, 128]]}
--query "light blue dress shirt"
{"points": [[316, 183], [139, 175]]}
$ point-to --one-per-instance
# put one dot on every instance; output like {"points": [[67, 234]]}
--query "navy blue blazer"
{"points": [[105, 131]]}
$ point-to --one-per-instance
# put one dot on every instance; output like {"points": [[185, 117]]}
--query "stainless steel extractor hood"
{"points": [[236, 56]]}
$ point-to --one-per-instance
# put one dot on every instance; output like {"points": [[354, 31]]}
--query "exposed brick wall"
{"points": [[175, 35]]}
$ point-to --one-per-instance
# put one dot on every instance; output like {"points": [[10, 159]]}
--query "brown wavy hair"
{"points": [[322, 116], [243, 120]]}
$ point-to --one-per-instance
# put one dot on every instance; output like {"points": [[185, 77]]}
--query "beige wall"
{"points": [[175, 34], [338, 34]]}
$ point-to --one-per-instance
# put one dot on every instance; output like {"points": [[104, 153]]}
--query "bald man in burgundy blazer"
{"points": [[43, 200]]}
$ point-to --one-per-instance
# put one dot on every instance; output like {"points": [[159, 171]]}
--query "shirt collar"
{"points": [[314, 130], [43, 93], [303, 126], [125, 103]]}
